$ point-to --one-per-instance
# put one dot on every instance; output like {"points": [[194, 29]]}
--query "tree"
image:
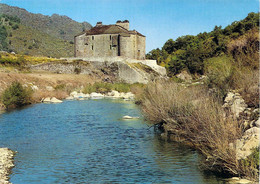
{"points": [[169, 46]]}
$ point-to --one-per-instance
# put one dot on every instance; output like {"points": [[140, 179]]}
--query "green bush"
{"points": [[101, 87], [60, 87], [16, 96], [77, 70], [121, 87], [220, 72], [250, 165]]}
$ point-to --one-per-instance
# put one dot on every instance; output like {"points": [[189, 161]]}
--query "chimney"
{"points": [[124, 24], [99, 24]]}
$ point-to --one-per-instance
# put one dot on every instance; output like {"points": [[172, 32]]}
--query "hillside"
{"points": [[237, 40], [33, 42], [57, 26], [26, 40]]}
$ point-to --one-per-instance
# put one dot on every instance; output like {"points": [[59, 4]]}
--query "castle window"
{"points": [[92, 37], [110, 37], [92, 47], [110, 47]]}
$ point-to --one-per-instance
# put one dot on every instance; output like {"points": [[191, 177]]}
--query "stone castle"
{"points": [[110, 41]]}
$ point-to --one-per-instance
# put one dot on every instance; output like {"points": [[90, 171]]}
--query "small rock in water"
{"points": [[130, 117]]}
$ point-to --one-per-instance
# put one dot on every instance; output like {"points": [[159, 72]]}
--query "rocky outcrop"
{"points": [[235, 103], [114, 68], [6, 164], [250, 137]]}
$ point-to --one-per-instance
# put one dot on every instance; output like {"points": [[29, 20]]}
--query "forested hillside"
{"points": [[239, 41]]}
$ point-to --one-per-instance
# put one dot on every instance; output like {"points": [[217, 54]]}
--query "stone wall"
{"points": [[110, 45]]}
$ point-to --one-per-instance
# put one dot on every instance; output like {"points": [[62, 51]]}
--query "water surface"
{"points": [[89, 142]]}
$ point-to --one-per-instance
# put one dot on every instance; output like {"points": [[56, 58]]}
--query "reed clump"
{"points": [[192, 115]]}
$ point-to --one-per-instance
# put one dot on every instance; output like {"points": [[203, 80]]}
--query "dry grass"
{"points": [[246, 81], [44, 79], [62, 83], [192, 115], [245, 49]]}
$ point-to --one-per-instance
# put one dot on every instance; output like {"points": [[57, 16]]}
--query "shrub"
{"points": [[246, 82], [219, 71], [60, 87], [245, 49], [250, 165], [16, 96], [77, 70], [16, 26], [102, 87], [191, 114]]}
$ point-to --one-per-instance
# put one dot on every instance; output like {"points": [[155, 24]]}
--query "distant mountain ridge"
{"points": [[56, 25]]}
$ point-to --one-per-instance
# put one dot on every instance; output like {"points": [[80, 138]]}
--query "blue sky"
{"points": [[158, 20]]}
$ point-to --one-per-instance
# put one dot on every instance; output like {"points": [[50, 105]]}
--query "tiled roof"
{"points": [[109, 29]]}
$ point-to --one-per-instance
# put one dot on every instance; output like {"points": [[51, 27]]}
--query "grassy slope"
{"points": [[61, 27], [26, 40]]}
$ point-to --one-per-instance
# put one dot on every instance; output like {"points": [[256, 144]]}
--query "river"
{"points": [[89, 142]]}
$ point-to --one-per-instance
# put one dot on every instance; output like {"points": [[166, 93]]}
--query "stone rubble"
{"points": [[113, 94]]}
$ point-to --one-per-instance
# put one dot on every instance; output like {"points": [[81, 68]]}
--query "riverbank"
{"points": [[6, 164], [225, 133]]}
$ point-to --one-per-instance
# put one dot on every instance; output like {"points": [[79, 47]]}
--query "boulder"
{"points": [[55, 100], [74, 93], [115, 94], [51, 100], [96, 95], [46, 100]]}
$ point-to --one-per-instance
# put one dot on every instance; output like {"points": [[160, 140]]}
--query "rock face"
{"points": [[249, 140], [114, 68], [6, 164], [235, 102]]}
